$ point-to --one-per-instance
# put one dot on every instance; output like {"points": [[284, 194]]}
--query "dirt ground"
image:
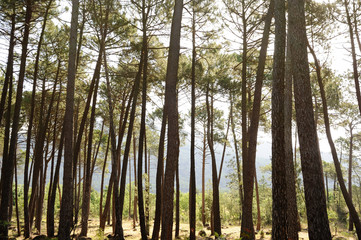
{"points": [[229, 232]]}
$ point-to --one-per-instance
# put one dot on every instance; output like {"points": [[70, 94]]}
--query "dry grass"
{"points": [[229, 232]]}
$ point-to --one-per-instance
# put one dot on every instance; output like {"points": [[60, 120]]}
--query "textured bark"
{"points": [[350, 222], [292, 212], [318, 225], [52, 191], [239, 177], [258, 226], [279, 184], [114, 175], [87, 173], [215, 195], [353, 54], [9, 65], [171, 110], [120, 199], [143, 230], [192, 175], [203, 178], [224, 151], [102, 180], [159, 180], [67, 199], [8, 163], [346, 195], [135, 200], [247, 230], [177, 194]]}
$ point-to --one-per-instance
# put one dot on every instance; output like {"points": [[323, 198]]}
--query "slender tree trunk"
{"points": [[135, 201], [215, 203], [292, 212], [353, 53], [159, 179], [171, 110], [87, 174], [28, 219], [114, 174], [245, 147], [239, 177], [247, 229], [347, 196], [130, 190], [258, 226], [192, 175], [16, 201], [10, 63], [318, 224], [143, 230], [224, 150], [120, 199], [8, 163], [52, 191], [350, 222], [66, 209], [279, 184], [177, 194], [102, 180], [203, 179]]}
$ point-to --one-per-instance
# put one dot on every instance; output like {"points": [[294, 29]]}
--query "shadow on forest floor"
{"points": [[229, 232]]}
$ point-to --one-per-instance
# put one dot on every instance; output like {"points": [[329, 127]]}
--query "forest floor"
{"points": [[229, 232]]}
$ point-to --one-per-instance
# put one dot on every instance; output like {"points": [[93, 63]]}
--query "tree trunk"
{"points": [[135, 201], [143, 230], [177, 193], [318, 224], [159, 180], [66, 209], [203, 179], [102, 180], [8, 163], [247, 230], [192, 174], [350, 222], [354, 57], [347, 196], [239, 177], [120, 199], [16, 201], [292, 212], [52, 191], [87, 174], [171, 109], [258, 226], [279, 184], [9, 65], [215, 202]]}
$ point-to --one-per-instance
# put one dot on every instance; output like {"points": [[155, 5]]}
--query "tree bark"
{"points": [[67, 199], [292, 212], [192, 175], [279, 184], [353, 54], [347, 196], [350, 222], [249, 167], [172, 114], [8, 163], [318, 224], [143, 230], [159, 180], [215, 203]]}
